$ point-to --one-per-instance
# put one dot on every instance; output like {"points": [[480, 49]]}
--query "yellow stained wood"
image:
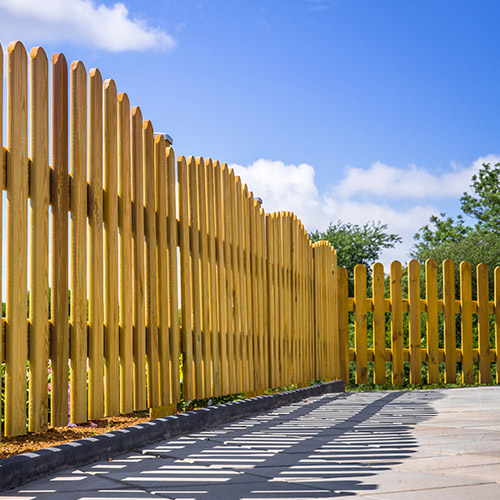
{"points": [[60, 202], [235, 352], [483, 321], [414, 322], [78, 305], [206, 341], [497, 320], [229, 208], [39, 238], [213, 296], [257, 366], [17, 241], [334, 308], [299, 306], [397, 323], [343, 324], [173, 316], [309, 314], [466, 319], [271, 298], [96, 256], [137, 158], [378, 322], [263, 291], [360, 340], [242, 287], [287, 302], [160, 163], [293, 299], [194, 218], [449, 321], [125, 244], [223, 300], [151, 268], [3, 156], [281, 297], [249, 286], [318, 303], [111, 266], [431, 298], [185, 275]]}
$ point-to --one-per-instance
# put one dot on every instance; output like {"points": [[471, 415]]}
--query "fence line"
{"points": [[261, 306], [422, 330]]}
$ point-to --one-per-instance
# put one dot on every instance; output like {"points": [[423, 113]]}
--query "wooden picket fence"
{"points": [[107, 231], [429, 333]]}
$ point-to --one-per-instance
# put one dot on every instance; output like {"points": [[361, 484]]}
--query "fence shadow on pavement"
{"points": [[324, 447]]}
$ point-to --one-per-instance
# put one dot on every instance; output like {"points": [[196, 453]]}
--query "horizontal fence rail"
{"points": [[135, 280]]}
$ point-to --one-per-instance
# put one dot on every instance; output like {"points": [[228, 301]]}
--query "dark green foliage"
{"points": [[357, 244]]}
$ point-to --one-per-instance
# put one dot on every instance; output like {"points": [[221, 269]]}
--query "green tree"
{"points": [[452, 238], [357, 244]]}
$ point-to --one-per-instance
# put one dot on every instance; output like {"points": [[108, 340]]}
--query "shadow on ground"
{"points": [[324, 447]]}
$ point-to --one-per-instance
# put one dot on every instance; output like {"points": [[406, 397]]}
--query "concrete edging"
{"points": [[21, 469]]}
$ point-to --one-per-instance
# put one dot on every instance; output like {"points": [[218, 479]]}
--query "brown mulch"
{"points": [[33, 441]]}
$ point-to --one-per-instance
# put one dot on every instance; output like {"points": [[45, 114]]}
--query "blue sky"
{"points": [[344, 109]]}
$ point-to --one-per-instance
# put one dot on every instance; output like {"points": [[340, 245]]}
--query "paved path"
{"points": [[428, 445]]}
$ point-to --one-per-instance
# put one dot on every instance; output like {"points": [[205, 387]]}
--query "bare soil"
{"points": [[54, 436]]}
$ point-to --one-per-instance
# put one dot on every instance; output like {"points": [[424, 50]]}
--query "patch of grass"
{"points": [[407, 387]]}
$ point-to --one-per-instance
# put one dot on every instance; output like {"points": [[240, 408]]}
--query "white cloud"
{"points": [[283, 187], [292, 188], [413, 182], [81, 21]]}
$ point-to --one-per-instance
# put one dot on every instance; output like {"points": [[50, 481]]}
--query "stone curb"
{"points": [[21, 469]]}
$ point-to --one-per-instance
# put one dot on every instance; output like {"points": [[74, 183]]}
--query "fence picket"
{"points": [[431, 297], [378, 322], [397, 323], [466, 320], [449, 321], [186, 298], [138, 262], [360, 324], [60, 201], [160, 165], [194, 219], [39, 236], [228, 209], [17, 241], [125, 243], [78, 305], [111, 267], [343, 324], [206, 340], [173, 315], [212, 273], [414, 322], [151, 268], [483, 321], [96, 254]]}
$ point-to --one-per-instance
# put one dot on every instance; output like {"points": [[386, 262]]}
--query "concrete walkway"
{"points": [[428, 445]]}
